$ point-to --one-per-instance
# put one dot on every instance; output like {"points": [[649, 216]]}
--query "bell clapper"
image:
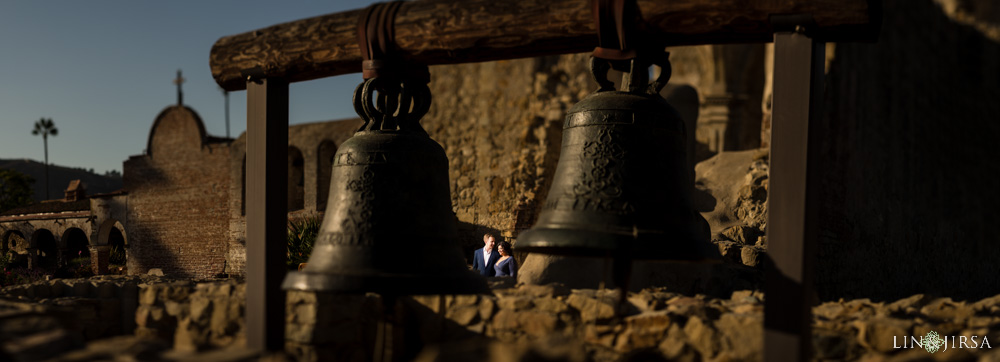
{"points": [[621, 273], [385, 344], [604, 276]]}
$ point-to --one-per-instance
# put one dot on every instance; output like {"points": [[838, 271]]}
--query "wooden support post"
{"points": [[266, 210], [792, 204]]}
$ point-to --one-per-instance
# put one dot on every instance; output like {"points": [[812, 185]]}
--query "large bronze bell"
{"points": [[622, 188], [389, 227]]}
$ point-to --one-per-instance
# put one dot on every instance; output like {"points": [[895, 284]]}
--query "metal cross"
{"points": [[178, 81]]}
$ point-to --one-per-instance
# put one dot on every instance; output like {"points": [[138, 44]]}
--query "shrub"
{"points": [[301, 236], [15, 276], [78, 267], [117, 256]]}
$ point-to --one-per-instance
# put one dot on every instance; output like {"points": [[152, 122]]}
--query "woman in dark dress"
{"points": [[506, 266]]}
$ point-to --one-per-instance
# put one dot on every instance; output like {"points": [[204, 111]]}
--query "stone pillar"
{"points": [[63, 257], [32, 258], [326, 324], [765, 104], [99, 256], [732, 86], [714, 121]]}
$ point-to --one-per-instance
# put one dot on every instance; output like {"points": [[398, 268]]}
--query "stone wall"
{"points": [[29, 250], [29, 332], [88, 308], [500, 124], [192, 316], [177, 199], [49, 235]]}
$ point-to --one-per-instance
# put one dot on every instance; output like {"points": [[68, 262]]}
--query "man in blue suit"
{"points": [[484, 259]]}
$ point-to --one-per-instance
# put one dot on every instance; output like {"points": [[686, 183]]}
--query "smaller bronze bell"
{"points": [[389, 226], [621, 185]]}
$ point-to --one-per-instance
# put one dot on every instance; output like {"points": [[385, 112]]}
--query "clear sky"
{"points": [[103, 69]]}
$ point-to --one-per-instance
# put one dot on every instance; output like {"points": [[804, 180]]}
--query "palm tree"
{"points": [[45, 127]]}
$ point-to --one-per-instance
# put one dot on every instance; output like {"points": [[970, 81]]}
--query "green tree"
{"points": [[45, 127], [15, 189]]}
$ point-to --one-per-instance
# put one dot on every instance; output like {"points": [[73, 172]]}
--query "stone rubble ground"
{"points": [[661, 325], [527, 322]]}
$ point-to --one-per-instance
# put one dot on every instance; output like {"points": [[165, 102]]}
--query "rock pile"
{"points": [[736, 211]]}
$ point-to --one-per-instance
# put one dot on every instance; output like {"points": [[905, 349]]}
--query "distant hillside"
{"points": [[60, 176]]}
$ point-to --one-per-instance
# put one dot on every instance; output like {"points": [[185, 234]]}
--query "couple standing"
{"points": [[498, 262]]}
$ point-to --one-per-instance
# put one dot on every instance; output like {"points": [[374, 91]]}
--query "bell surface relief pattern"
{"points": [[602, 174]]}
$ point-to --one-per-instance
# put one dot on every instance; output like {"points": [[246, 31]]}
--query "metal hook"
{"points": [[359, 107], [662, 60], [599, 69]]}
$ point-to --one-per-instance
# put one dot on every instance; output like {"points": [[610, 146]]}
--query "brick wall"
{"points": [[316, 142], [178, 198]]}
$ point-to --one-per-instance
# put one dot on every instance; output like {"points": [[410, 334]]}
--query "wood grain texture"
{"points": [[449, 32]]}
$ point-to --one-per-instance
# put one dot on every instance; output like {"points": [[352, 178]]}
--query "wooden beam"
{"points": [[450, 32], [792, 203], [267, 211]]}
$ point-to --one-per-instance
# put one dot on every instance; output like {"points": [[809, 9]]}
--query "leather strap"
{"points": [[615, 28], [376, 40]]}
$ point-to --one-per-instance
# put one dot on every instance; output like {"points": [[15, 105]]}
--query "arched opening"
{"points": [[77, 247], [324, 168], [118, 256], [46, 251], [243, 187], [296, 179], [15, 247], [112, 233]]}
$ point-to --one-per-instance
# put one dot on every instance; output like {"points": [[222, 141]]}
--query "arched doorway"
{"points": [[324, 168], [77, 250], [296, 179], [46, 252]]}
